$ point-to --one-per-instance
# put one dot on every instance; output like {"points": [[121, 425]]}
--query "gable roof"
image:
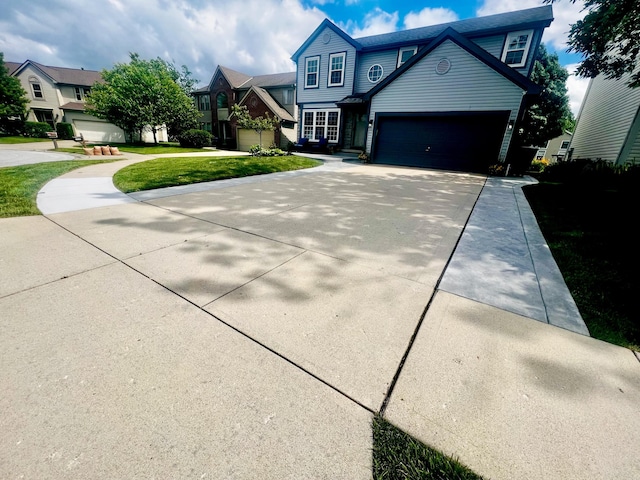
{"points": [[500, 22], [538, 17], [65, 76], [326, 23], [450, 34], [270, 102], [12, 66], [239, 80]]}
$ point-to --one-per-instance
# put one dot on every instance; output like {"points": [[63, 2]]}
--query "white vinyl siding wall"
{"points": [[318, 48], [606, 116], [470, 85]]}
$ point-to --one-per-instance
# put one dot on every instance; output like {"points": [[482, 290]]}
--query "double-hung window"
{"points": [[317, 124], [36, 88], [312, 72], [336, 69], [516, 48]]}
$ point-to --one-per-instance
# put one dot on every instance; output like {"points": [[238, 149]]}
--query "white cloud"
{"points": [[429, 16], [375, 22], [253, 36], [577, 88]]}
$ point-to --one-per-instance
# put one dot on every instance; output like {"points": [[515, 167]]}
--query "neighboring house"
{"points": [[445, 96], [608, 125], [273, 95], [556, 148], [202, 99], [58, 94]]}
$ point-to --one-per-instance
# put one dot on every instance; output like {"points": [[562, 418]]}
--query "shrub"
{"points": [[36, 129], [195, 138], [257, 151], [539, 165], [65, 131]]}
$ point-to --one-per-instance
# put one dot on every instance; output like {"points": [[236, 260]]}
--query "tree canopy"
{"points": [[13, 100], [550, 114], [609, 38], [145, 94]]}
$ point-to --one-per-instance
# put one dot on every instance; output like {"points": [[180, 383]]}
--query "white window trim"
{"points": [[381, 73], [342, 70], [401, 51], [306, 72], [525, 54], [325, 126]]}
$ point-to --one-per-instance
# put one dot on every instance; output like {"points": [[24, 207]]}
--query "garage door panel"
{"points": [[99, 131], [455, 142]]}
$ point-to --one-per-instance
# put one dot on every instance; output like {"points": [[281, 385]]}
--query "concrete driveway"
{"points": [[254, 330]]}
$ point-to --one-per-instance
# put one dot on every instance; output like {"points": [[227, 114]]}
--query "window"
{"points": [[222, 100], [36, 88], [375, 73], [78, 93], [287, 96], [311, 70], [204, 104], [336, 69], [516, 48], [405, 54], [565, 145], [86, 91], [317, 124]]}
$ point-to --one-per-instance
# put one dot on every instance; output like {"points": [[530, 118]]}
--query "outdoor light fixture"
{"points": [[510, 126]]}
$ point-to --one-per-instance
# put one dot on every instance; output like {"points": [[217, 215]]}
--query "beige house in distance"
{"points": [[58, 94]]}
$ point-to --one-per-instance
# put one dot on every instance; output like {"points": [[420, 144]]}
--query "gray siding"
{"points": [[388, 59], [470, 85], [494, 44], [606, 116], [318, 47]]}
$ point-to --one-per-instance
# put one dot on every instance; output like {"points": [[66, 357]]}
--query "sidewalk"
{"points": [[252, 327]]}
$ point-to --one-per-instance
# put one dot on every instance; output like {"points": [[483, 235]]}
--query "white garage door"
{"points": [[99, 131], [246, 138]]}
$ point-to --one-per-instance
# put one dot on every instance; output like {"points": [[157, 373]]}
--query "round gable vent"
{"points": [[443, 66], [326, 38]]}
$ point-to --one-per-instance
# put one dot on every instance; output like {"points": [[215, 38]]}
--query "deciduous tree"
{"points": [[144, 94], [13, 100], [609, 38], [550, 114], [257, 124]]}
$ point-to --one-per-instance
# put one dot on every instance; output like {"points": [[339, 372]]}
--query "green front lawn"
{"points": [[170, 172], [19, 139], [140, 149], [590, 229], [20, 185]]}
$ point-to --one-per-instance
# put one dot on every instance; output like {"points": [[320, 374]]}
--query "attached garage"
{"points": [[462, 141], [99, 131], [247, 138]]}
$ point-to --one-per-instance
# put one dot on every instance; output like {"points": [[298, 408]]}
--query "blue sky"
{"points": [[251, 36]]}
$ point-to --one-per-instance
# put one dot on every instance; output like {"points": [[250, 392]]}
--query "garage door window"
{"points": [[317, 124]]}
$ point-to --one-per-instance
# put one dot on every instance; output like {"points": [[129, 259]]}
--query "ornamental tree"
{"points": [[257, 124]]}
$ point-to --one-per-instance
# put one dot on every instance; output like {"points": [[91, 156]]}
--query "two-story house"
{"points": [[445, 96], [273, 95], [58, 94]]}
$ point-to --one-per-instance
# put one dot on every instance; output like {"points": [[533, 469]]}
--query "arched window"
{"points": [[36, 88]]}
